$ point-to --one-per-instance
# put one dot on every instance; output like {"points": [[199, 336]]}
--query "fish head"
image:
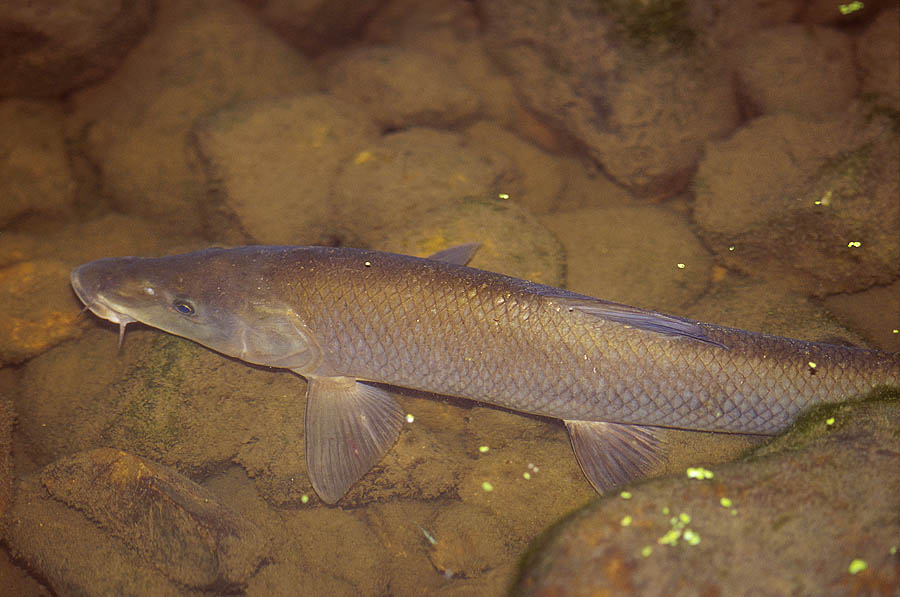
{"points": [[219, 298]]}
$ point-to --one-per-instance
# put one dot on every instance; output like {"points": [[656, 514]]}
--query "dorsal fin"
{"points": [[650, 321], [459, 255]]}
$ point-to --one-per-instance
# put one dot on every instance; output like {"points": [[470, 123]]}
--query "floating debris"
{"points": [[670, 538], [410, 418], [698, 472], [851, 7], [428, 535], [679, 530]]}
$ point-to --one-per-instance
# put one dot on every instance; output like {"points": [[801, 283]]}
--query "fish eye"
{"points": [[184, 306]]}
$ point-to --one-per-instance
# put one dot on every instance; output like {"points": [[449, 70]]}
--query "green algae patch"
{"points": [[823, 419], [652, 23], [152, 393], [679, 532]]}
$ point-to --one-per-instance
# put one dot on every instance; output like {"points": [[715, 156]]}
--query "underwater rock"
{"points": [[78, 241], [272, 163], [35, 178], [160, 397], [540, 182], [789, 198], [7, 418], [313, 25], [465, 541], [878, 56], [168, 519], [134, 127], [865, 311], [513, 242], [70, 554], [738, 301], [797, 68], [801, 515], [51, 47], [159, 520], [408, 175], [37, 311], [640, 255], [725, 23], [401, 88], [620, 81]]}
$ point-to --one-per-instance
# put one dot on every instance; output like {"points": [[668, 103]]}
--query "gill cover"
{"points": [[201, 296]]}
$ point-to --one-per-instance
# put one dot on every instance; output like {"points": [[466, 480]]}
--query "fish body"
{"points": [[344, 317]]}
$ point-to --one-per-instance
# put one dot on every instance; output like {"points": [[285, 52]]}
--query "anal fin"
{"points": [[349, 427], [612, 454]]}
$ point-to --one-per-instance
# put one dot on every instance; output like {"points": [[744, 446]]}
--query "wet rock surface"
{"points": [[35, 176], [605, 78], [7, 418], [161, 518], [373, 78], [55, 47], [25, 330], [409, 175], [798, 69], [315, 25], [141, 404], [667, 270], [284, 154], [772, 524], [199, 57], [878, 50], [512, 240], [825, 178]]}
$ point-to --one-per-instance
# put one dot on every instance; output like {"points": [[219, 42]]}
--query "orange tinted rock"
{"points": [[172, 522], [37, 309]]}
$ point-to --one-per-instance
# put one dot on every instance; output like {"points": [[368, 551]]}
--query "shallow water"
{"points": [[750, 218]]}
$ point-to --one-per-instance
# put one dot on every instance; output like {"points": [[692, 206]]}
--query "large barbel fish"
{"points": [[346, 318]]}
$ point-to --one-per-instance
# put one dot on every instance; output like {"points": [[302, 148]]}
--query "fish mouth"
{"points": [[98, 305]]}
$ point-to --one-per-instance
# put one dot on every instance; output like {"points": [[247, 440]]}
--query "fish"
{"points": [[356, 323]]}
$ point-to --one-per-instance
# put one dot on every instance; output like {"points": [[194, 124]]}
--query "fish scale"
{"points": [[341, 317], [470, 338]]}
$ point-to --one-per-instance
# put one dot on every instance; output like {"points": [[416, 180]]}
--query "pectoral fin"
{"points": [[349, 427], [612, 454]]}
